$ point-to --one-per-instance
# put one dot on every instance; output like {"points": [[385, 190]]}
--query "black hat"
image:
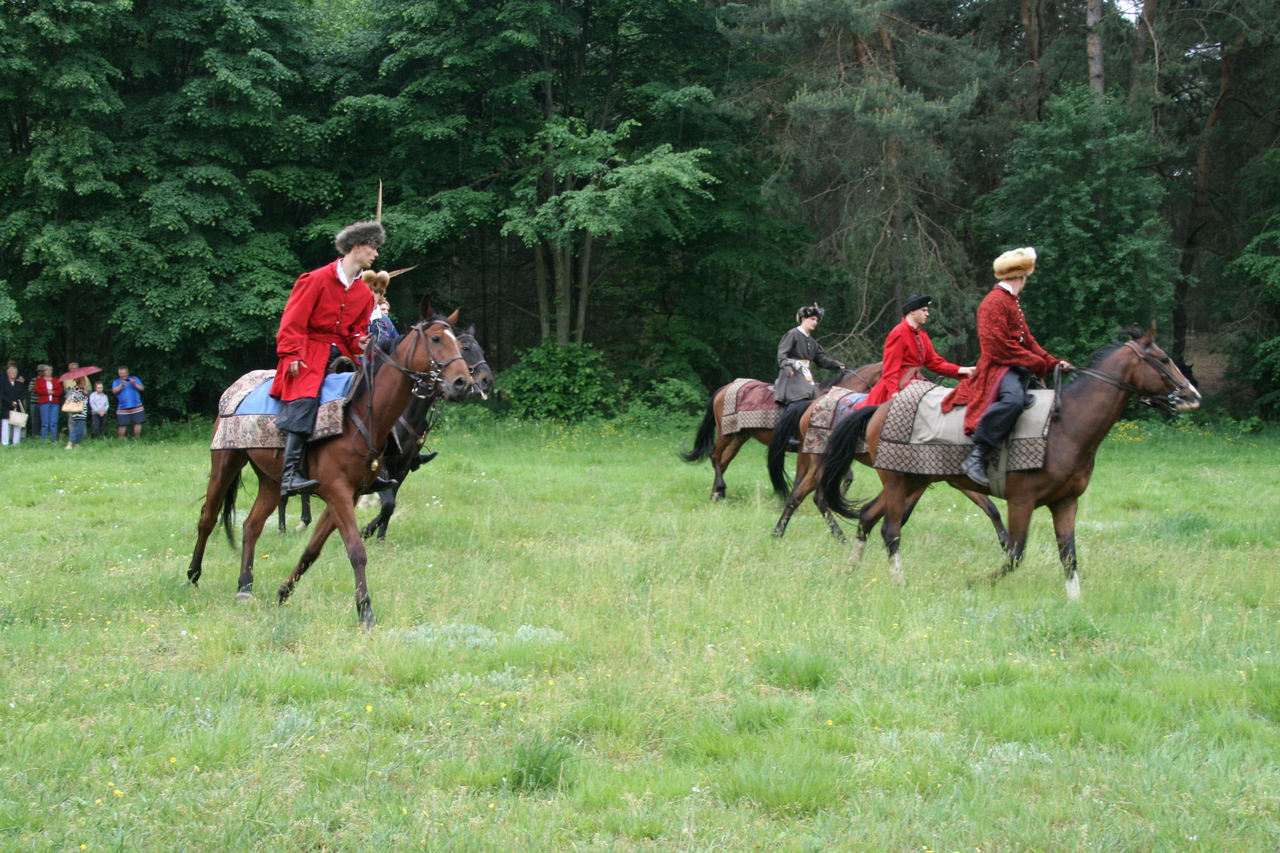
{"points": [[915, 303]]}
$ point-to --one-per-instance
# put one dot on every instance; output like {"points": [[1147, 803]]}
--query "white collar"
{"points": [[342, 277], [1006, 286]]}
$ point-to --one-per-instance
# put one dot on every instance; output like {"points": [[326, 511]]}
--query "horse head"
{"points": [[434, 350], [1158, 380], [481, 374]]}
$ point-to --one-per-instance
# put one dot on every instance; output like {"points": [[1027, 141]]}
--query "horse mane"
{"points": [[1103, 352]]}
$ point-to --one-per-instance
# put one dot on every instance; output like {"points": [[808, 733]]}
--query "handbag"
{"points": [[73, 407], [18, 417]]}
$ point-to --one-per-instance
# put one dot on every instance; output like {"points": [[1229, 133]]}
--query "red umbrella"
{"points": [[71, 375]]}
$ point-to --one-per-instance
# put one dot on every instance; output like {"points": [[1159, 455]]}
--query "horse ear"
{"points": [[1150, 336], [424, 307], [471, 330], [453, 318]]}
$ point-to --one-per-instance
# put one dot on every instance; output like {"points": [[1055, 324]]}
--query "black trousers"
{"points": [[999, 418]]}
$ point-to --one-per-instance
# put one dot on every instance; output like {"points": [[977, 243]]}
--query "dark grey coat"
{"points": [[791, 384]]}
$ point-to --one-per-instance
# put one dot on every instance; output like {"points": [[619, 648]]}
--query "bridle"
{"points": [[1167, 403], [426, 383], [862, 379]]}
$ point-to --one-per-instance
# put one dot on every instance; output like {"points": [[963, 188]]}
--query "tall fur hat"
{"points": [[1015, 263], [368, 232]]}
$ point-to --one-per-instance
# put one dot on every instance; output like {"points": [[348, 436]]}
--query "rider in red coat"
{"points": [[326, 316], [906, 351], [997, 392]]}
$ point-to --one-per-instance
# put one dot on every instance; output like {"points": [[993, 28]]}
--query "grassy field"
{"points": [[578, 651]]}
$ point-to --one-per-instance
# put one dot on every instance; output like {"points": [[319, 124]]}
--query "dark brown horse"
{"points": [[1089, 406], [401, 457], [711, 440], [426, 361], [809, 477]]}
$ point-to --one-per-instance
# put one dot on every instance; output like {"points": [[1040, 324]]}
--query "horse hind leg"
{"points": [[726, 448], [223, 476]]}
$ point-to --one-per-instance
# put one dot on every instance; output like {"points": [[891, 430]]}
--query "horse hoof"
{"points": [[244, 596], [302, 525], [1073, 588]]}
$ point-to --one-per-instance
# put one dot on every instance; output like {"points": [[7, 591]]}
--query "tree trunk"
{"points": [[1033, 38], [1199, 205], [1093, 25], [540, 277], [584, 285], [1144, 35], [562, 271]]}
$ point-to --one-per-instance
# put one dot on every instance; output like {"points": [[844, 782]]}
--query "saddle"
{"points": [[247, 411], [918, 438], [748, 404]]}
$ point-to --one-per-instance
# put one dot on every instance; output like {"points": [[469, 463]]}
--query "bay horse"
{"points": [[711, 440], [426, 361], [1087, 409], [401, 458], [411, 427], [809, 477]]}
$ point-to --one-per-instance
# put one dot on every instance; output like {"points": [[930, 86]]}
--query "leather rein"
{"points": [[1168, 403]]}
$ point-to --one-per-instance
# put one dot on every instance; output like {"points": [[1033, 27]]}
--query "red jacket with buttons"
{"points": [[1006, 342], [319, 312]]}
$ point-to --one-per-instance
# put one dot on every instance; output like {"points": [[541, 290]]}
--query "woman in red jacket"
{"points": [[48, 392]]}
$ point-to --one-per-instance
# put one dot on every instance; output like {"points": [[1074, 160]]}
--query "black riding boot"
{"points": [[424, 458], [974, 465], [292, 481]]}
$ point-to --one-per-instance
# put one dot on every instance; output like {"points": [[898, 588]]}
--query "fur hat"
{"points": [[377, 281], [915, 303], [368, 232], [1015, 263], [809, 311]]}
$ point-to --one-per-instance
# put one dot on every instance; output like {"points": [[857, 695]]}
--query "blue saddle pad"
{"points": [[260, 402]]}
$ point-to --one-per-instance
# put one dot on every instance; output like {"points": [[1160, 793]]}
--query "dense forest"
{"points": [[663, 182]]}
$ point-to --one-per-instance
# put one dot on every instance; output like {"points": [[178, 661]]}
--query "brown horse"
{"points": [[809, 478], [711, 441], [1088, 407], [425, 362]]}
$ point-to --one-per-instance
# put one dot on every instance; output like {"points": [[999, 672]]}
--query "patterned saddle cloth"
{"points": [[830, 409], [247, 411], [919, 439], [748, 404]]}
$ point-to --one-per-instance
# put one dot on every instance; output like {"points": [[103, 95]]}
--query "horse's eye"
{"points": [[1164, 360], [435, 339]]}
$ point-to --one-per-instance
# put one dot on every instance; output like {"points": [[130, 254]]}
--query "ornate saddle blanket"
{"points": [[919, 439], [748, 404], [247, 411], [830, 409]]}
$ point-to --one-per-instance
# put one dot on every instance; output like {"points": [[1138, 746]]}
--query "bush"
{"points": [[563, 383]]}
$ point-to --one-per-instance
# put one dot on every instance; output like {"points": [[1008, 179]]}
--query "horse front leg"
{"points": [[1064, 528], [387, 506], [315, 545], [815, 480], [344, 516], [992, 512], [727, 447], [268, 499]]}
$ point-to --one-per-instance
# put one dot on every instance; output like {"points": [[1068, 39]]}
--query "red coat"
{"points": [[47, 390], [1006, 342], [906, 348], [319, 312]]}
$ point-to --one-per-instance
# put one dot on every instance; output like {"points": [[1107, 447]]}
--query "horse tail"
{"points": [[841, 447], [229, 507], [787, 428], [705, 441]]}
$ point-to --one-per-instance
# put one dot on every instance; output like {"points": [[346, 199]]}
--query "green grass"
{"points": [[577, 650]]}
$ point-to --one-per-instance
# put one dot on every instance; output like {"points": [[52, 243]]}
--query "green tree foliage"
{"points": [[1079, 188], [148, 146]]}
